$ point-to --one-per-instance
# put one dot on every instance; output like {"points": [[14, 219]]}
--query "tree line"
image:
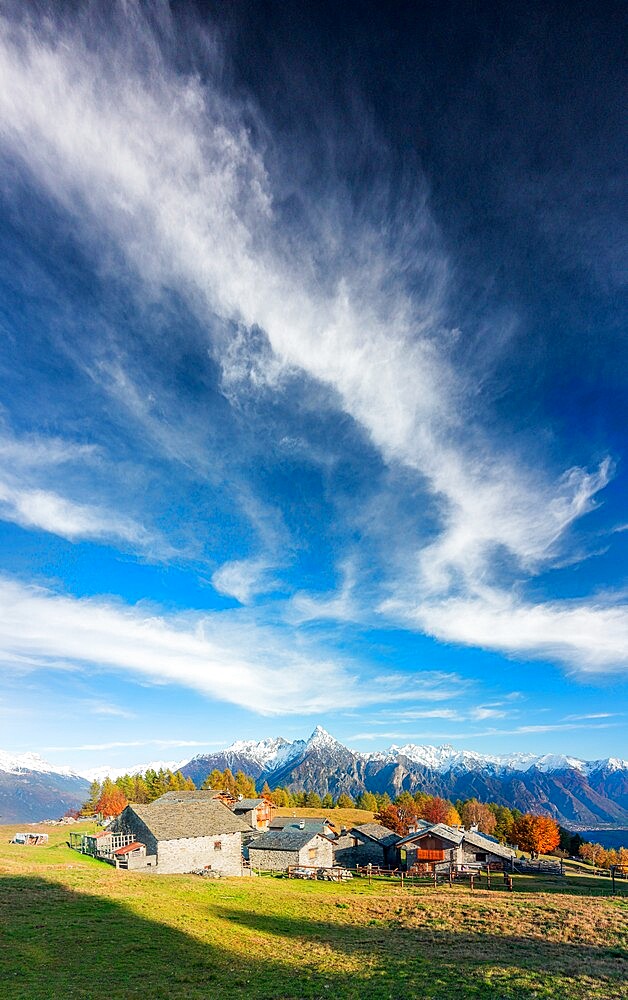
{"points": [[603, 857], [536, 834]]}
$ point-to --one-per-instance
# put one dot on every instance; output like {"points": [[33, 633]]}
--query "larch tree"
{"points": [[474, 813]]}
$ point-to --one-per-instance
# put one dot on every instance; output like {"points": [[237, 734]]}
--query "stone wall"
{"points": [[192, 853], [273, 861], [350, 854], [318, 853], [129, 822]]}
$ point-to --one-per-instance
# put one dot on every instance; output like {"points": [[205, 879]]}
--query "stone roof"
{"points": [[487, 844], [437, 830], [284, 840], [377, 832], [244, 805], [315, 824], [174, 820], [199, 794]]}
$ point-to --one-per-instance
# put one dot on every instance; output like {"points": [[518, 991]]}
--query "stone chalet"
{"points": [[277, 850], [439, 846], [185, 832], [370, 843], [256, 812]]}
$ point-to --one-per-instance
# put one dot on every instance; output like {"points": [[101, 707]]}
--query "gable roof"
{"points": [[487, 844], [448, 833], [198, 794], [316, 824], [244, 805], [285, 840], [375, 831], [175, 820]]}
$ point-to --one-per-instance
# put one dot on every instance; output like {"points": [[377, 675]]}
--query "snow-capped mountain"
{"points": [[572, 790], [19, 763], [32, 789], [568, 788]]}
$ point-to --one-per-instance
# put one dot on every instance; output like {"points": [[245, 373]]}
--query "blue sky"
{"points": [[312, 378]]}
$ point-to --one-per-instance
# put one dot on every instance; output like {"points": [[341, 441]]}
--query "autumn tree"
{"points": [[265, 792], [344, 801], [112, 800], [312, 800], [437, 810], [366, 800], [281, 797], [244, 785], [389, 816], [537, 834], [213, 781], [504, 820], [474, 813]]}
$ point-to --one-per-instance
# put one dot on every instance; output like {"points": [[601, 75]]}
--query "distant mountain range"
{"points": [[575, 792], [31, 789]]}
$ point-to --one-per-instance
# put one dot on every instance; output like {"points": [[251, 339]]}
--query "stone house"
{"points": [[256, 812], [186, 835], [369, 843], [277, 850], [439, 846]]}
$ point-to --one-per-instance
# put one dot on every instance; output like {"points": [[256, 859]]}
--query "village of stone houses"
{"points": [[210, 892]]}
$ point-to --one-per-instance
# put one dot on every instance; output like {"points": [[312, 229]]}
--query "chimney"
{"points": [[301, 824]]}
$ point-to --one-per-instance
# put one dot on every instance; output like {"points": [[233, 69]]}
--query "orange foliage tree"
{"points": [[395, 819], [112, 799], [537, 834], [474, 813], [437, 810]]}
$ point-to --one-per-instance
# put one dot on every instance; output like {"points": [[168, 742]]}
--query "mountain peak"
{"points": [[320, 737]]}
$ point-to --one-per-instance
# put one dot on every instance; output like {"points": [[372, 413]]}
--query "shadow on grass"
{"points": [[56, 943]]}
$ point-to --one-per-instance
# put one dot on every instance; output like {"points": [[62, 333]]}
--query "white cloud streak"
{"points": [[219, 655], [166, 168], [587, 637], [28, 464]]}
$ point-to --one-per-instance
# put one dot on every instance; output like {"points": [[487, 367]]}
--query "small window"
{"points": [[218, 845], [312, 853]]}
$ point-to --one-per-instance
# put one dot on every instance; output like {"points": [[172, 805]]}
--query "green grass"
{"points": [[72, 927]]}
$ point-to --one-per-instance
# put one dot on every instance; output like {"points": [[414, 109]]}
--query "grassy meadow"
{"points": [[73, 927]]}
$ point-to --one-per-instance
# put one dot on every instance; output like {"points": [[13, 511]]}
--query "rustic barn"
{"points": [[440, 845], [277, 850], [189, 835], [369, 843], [256, 812]]}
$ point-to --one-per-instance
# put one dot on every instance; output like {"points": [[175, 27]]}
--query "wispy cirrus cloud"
{"points": [[33, 468], [166, 168], [222, 655], [586, 636]]}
